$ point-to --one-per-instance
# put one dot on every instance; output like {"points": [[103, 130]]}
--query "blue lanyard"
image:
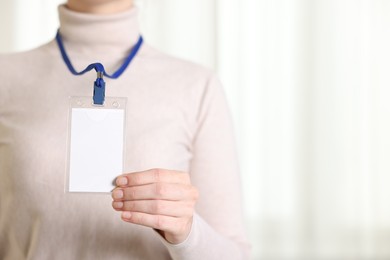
{"points": [[99, 84]]}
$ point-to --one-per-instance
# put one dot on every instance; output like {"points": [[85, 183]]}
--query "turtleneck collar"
{"points": [[99, 34]]}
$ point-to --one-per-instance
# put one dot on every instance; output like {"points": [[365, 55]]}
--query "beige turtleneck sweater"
{"points": [[176, 117]]}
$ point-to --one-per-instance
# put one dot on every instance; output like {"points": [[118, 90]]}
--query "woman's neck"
{"points": [[99, 6]]}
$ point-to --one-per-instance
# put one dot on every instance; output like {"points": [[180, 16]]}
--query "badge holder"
{"points": [[96, 130], [95, 143]]}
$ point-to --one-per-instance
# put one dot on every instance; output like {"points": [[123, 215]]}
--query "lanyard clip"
{"points": [[99, 89]]}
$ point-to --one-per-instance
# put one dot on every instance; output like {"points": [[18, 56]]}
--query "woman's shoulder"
{"points": [[161, 61], [21, 69], [25, 60]]}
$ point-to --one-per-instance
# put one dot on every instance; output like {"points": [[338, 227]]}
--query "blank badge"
{"points": [[95, 145]]}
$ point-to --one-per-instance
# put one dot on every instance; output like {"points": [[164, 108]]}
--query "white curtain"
{"points": [[309, 88]]}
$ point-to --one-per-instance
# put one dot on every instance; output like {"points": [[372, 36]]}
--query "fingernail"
{"points": [[117, 204], [121, 181], [126, 215], [117, 194]]}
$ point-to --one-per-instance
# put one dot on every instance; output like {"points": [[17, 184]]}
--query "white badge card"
{"points": [[95, 144]]}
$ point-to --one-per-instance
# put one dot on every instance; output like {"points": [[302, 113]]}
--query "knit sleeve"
{"points": [[218, 230]]}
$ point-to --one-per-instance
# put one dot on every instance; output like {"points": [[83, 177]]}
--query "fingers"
{"points": [[160, 199], [152, 176], [166, 223], [163, 191], [157, 207]]}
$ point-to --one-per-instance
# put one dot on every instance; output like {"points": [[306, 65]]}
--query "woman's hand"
{"points": [[157, 198]]}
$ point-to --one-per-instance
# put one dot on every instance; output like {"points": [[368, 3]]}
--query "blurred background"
{"points": [[308, 82]]}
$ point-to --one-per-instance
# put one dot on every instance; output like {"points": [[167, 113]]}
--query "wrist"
{"points": [[177, 238]]}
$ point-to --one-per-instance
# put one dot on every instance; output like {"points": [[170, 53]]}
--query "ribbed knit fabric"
{"points": [[176, 117]]}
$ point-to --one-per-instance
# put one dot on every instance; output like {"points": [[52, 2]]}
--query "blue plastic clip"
{"points": [[99, 89]]}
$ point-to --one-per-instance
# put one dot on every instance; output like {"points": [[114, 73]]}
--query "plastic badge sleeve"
{"points": [[95, 144]]}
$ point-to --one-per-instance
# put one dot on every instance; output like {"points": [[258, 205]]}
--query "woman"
{"points": [[178, 141]]}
